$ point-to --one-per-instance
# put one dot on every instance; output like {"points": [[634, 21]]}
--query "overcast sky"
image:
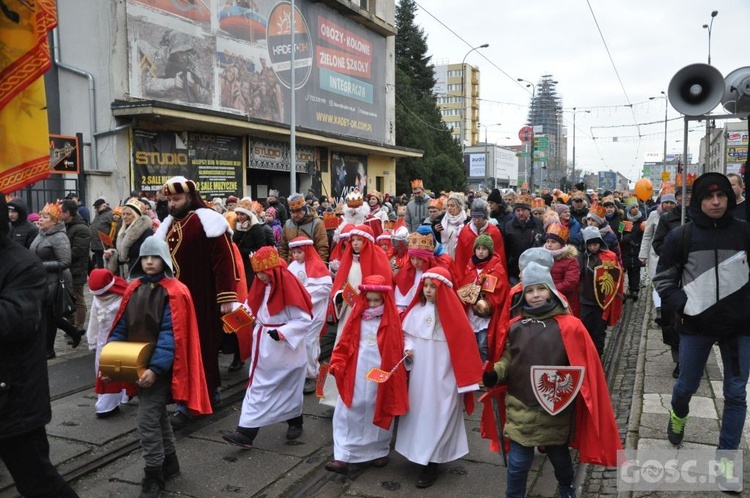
{"points": [[648, 40]]}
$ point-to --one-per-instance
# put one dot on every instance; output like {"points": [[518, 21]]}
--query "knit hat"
{"points": [[102, 280], [231, 198], [480, 208], [153, 246], [99, 202], [495, 196], [707, 184], [535, 274], [538, 255], [592, 234], [33, 217], [270, 211], [669, 198], [561, 208], [485, 240]]}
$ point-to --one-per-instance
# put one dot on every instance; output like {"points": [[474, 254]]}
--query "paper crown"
{"points": [[538, 203], [608, 200], [296, 202], [417, 183], [666, 188], [354, 199], [265, 258], [690, 179], [136, 204], [53, 210], [330, 221], [117, 211], [523, 200], [375, 194], [525, 185], [631, 201], [598, 210], [417, 241], [245, 206], [436, 203], [559, 232]]}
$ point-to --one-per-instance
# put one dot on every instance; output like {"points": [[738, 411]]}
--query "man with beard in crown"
{"points": [[200, 244]]}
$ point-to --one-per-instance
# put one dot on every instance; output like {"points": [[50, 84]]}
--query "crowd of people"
{"points": [[426, 301]]}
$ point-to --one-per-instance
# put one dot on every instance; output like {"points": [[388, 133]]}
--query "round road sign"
{"points": [[526, 133]]}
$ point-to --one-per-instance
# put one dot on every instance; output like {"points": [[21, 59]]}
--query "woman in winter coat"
{"points": [[448, 225], [136, 226], [52, 246], [566, 274], [250, 235], [632, 234]]}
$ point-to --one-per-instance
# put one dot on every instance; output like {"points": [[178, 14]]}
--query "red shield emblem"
{"points": [[556, 386], [607, 277]]}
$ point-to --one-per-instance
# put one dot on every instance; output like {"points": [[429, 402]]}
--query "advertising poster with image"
{"points": [[235, 56], [348, 172]]}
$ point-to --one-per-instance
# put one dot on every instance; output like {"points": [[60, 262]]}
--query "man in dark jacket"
{"points": [[703, 275], [522, 232], [80, 240], [273, 201], [499, 209], [303, 223], [21, 229], [82, 209], [102, 223], [24, 388], [579, 207]]}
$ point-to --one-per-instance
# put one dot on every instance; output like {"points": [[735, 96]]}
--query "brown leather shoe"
{"points": [[380, 462], [337, 466]]}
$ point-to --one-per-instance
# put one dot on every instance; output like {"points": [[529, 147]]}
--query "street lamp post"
{"points": [[461, 125], [573, 168], [666, 111], [530, 157], [707, 159]]}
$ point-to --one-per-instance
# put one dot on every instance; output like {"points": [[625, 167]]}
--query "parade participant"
{"points": [[378, 215], [569, 222], [565, 272], [361, 259], [449, 224], [24, 398], [134, 229], [303, 222], [106, 291], [613, 215], [579, 207], [354, 212], [384, 242], [21, 229], [538, 208], [702, 275], [230, 215], [79, 235], [597, 218], [521, 233], [446, 369], [400, 243], [273, 221], [485, 292], [600, 288], [157, 308], [283, 316], [416, 209], [102, 223], [421, 258], [272, 201], [312, 272], [363, 419], [547, 335], [539, 255], [499, 212], [200, 244], [632, 233], [479, 224], [434, 209], [338, 250]]}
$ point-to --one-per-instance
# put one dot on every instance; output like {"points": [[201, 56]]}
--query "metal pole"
{"points": [[486, 152], [684, 171], [707, 158], [666, 110], [293, 117], [573, 171]]}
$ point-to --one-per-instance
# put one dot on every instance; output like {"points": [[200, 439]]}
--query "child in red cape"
{"points": [[545, 335]]}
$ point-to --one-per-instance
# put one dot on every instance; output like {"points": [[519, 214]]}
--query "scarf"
{"points": [[556, 253]]}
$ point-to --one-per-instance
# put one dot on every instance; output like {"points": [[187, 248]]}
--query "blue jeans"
{"points": [[735, 356], [481, 337], [519, 463]]}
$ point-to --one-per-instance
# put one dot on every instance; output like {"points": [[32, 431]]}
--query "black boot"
{"points": [[171, 466], [152, 484]]}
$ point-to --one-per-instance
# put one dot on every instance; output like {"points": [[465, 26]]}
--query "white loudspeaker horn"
{"points": [[737, 91], [696, 89]]}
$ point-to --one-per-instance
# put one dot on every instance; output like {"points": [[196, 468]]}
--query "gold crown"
{"points": [[52, 209], [377, 195], [524, 199], [135, 203], [265, 258], [330, 221], [423, 242], [417, 183], [296, 202], [246, 204], [354, 199], [608, 200], [678, 179], [598, 210], [538, 203], [559, 230], [436, 203], [666, 188]]}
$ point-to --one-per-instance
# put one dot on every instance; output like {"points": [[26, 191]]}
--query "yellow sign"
{"points": [[665, 176]]}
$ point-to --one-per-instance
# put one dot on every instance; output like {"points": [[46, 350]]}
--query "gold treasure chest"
{"points": [[125, 361]]}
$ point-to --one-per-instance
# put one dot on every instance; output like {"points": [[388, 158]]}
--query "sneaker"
{"points": [[727, 480], [310, 385], [294, 432], [676, 428], [180, 420], [237, 439], [568, 491]]}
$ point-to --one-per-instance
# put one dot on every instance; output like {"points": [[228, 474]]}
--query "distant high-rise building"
{"points": [[545, 116], [457, 94]]}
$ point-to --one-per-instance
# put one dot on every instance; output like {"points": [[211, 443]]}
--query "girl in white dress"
{"points": [[445, 370]]}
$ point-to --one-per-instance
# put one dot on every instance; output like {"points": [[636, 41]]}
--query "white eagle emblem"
{"points": [[555, 387]]}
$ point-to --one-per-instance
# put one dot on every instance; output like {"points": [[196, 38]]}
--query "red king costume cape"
{"points": [[596, 434], [465, 245], [392, 398], [188, 381]]}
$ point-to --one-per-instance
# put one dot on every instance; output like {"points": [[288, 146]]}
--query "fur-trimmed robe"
{"points": [[128, 245]]}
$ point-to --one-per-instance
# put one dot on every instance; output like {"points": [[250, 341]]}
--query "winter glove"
{"points": [[274, 334], [489, 378]]}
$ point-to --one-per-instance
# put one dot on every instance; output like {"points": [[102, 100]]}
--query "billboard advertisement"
{"points": [[273, 155], [348, 172], [477, 164], [736, 148], [235, 56], [213, 162]]}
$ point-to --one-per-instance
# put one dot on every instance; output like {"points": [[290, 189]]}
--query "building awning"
{"points": [[169, 116]]}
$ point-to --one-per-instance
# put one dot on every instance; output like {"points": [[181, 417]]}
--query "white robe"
{"points": [[330, 391], [103, 312], [320, 291], [433, 429], [403, 301], [277, 368], [355, 438]]}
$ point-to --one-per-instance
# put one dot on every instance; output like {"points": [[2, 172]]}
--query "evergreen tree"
{"points": [[418, 121]]}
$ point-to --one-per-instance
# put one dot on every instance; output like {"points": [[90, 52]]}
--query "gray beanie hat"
{"points": [[480, 208], [535, 274], [538, 255], [153, 246], [669, 198], [592, 234]]}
